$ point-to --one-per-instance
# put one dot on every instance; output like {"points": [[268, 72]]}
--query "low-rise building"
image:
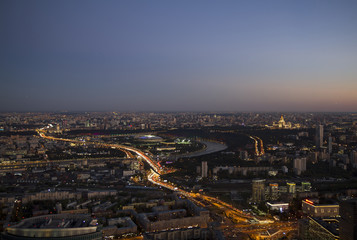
{"points": [[278, 206], [313, 209]]}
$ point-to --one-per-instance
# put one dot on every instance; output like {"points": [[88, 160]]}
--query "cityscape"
{"points": [[179, 175], [178, 120]]}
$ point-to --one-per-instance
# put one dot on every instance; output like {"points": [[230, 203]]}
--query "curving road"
{"points": [[155, 178]]}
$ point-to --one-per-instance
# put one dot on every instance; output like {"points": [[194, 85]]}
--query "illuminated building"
{"points": [[204, 169], [291, 187], [281, 124], [281, 207], [305, 186], [348, 222], [313, 209], [258, 190], [273, 191], [149, 138], [55, 226]]}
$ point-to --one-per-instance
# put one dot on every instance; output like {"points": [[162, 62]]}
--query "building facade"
{"points": [[314, 209], [258, 190]]}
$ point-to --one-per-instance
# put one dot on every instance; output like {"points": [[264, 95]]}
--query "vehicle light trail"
{"points": [[157, 171], [258, 145]]}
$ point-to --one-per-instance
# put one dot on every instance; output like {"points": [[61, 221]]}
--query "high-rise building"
{"points": [[204, 169], [348, 222], [299, 165], [329, 144], [291, 187], [273, 191], [319, 136], [258, 190]]}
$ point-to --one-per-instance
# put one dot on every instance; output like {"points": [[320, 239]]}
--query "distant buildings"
{"points": [[281, 124]]}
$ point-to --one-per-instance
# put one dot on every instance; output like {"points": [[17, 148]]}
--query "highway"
{"points": [[258, 145], [155, 177]]}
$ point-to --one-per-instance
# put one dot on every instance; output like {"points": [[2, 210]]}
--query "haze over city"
{"points": [[178, 56]]}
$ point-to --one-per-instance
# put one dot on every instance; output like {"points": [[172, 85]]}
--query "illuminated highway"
{"points": [[125, 149], [232, 213], [258, 145]]}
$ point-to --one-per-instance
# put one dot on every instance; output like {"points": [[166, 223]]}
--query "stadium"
{"points": [[58, 226], [149, 138]]}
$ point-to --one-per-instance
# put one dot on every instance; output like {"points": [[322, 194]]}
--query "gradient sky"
{"points": [[178, 55]]}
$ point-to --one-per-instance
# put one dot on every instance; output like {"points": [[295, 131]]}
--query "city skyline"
{"points": [[178, 56]]}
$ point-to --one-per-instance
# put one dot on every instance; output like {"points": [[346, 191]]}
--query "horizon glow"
{"points": [[178, 56]]}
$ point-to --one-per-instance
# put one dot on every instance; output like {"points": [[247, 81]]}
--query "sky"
{"points": [[178, 55]]}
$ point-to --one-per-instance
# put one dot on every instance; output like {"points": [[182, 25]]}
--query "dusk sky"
{"points": [[178, 55]]}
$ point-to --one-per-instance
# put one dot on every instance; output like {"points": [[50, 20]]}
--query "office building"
{"points": [[291, 187], [258, 190], [319, 136], [273, 191]]}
